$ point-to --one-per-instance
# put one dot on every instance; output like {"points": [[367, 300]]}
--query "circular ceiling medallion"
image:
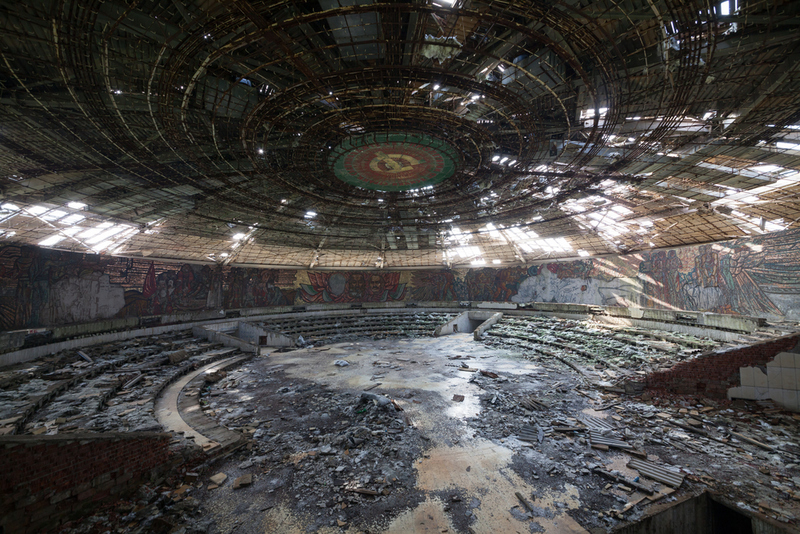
{"points": [[393, 162]]}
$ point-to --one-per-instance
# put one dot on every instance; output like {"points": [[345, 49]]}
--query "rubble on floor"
{"points": [[527, 431]]}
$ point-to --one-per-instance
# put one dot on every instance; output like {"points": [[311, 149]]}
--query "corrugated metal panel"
{"points": [[529, 433], [599, 439], [657, 472], [597, 423]]}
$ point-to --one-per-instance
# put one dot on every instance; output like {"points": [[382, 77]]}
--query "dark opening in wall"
{"points": [[702, 514], [728, 520]]}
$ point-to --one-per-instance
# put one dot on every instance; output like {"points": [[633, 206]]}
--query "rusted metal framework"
{"points": [[202, 130]]}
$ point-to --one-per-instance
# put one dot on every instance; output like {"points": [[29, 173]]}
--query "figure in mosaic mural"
{"points": [[434, 286], [352, 287]]}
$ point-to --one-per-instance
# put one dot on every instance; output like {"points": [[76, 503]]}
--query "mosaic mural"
{"points": [[46, 287], [750, 276], [359, 286]]}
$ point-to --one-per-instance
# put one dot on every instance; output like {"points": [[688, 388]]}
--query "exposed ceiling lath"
{"points": [[398, 134]]}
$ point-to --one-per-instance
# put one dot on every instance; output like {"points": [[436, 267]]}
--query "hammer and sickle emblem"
{"points": [[392, 163]]}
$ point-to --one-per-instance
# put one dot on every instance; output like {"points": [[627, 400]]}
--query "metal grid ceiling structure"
{"points": [[202, 130]]}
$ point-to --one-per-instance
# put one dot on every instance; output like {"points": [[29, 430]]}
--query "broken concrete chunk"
{"points": [[177, 356], [341, 363], [379, 400], [244, 480], [219, 478], [216, 376]]}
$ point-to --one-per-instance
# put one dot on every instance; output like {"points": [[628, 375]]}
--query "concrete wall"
{"points": [[250, 332], [227, 334], [48, 479], [701, 514], [476, 322], [255, 334], [487, 321], [689, 515], [459, 323]]}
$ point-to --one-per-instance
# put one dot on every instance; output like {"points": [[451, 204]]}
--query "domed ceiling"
{"points": [[355, 133]]}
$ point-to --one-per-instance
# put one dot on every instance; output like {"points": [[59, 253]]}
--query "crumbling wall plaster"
{"points": [[779, 381], [713, 374]]}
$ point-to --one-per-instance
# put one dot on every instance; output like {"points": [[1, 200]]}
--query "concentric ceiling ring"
{"points": [[266, 112], [393, 161]]}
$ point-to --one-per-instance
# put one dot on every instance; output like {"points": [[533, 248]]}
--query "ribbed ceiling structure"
{"points": [[356, 133]]}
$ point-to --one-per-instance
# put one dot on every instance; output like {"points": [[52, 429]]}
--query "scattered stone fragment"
{"points": [[379, 400], [215, 377], [219, 478], [244, 480]]}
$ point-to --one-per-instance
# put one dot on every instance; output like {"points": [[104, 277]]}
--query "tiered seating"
{"points": [[66, 393], [592, 343], [334, 328]]}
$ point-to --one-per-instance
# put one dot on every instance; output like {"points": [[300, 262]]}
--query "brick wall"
{"points": [[47, 479], [711, 374]]}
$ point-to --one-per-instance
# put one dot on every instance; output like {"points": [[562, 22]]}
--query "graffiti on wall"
{"points": [[339, 287]]}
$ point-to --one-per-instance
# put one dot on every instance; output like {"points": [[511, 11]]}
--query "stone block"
{"points": [[26, 501], [43, 514], [776, 395], [244, 480], [14, 521], [82, 496]]}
